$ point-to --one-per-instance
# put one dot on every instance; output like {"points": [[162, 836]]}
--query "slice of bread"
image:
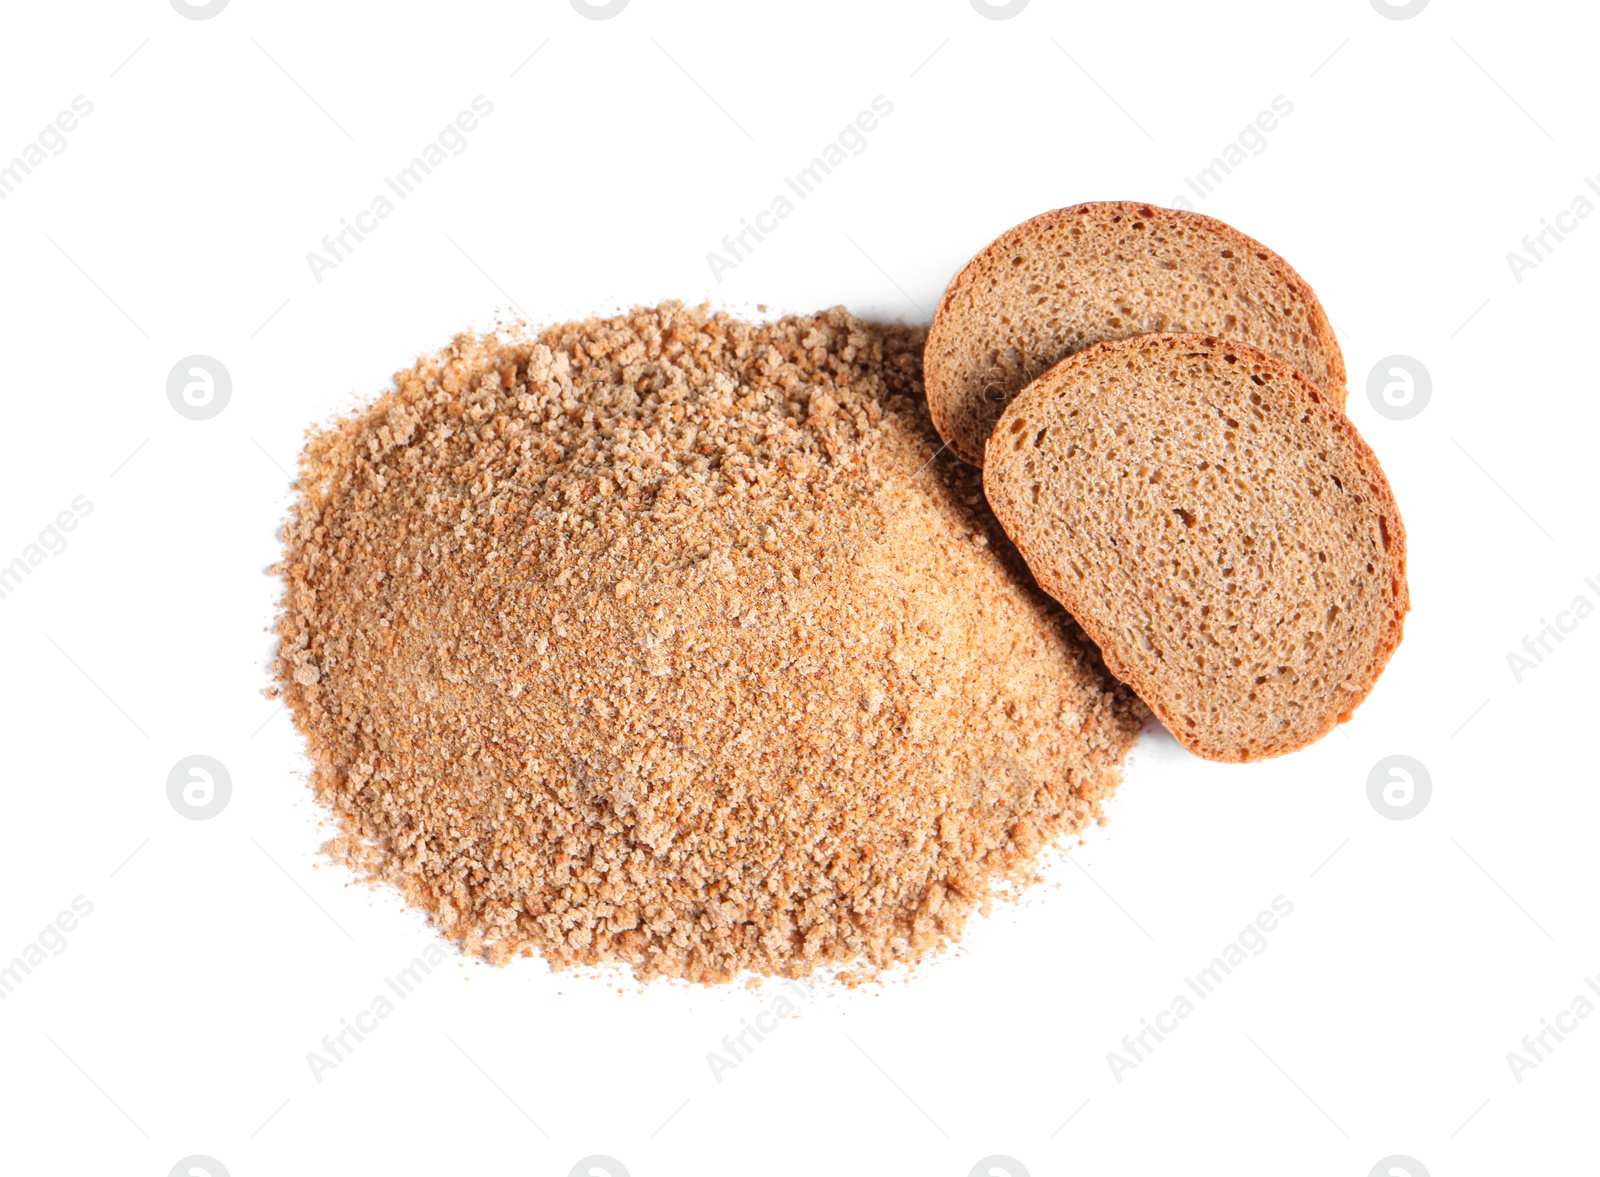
{"points": [[1223, 534], [1108, 270]]}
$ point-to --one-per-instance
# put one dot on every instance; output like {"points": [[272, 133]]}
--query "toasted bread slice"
{"points": [[1063, 280], [1223, 534]]}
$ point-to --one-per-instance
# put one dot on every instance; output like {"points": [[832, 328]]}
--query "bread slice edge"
{"points": [[1321, 325], [1034, 394]]}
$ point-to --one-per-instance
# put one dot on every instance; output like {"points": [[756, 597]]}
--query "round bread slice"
{"points": [[1107, 270], [1223, 534]]}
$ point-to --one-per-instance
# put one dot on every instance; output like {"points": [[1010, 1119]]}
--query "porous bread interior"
{"points": [[1230, 543], [1109, 270]]}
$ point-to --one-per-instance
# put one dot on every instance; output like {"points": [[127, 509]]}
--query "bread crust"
{"points": [[1092, 620], [951, 404]]}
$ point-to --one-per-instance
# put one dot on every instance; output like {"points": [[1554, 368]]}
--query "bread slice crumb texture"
{"points": [[659, 641], [1227, 539], [1108, 270]]}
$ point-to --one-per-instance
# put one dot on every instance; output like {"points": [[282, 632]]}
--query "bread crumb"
{"points": [[658, 640]]}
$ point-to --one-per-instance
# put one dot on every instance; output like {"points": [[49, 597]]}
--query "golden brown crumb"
{"points": [[664, 639]]}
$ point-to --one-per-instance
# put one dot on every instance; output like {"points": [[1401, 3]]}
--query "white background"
{"points": [[178, 219]]}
